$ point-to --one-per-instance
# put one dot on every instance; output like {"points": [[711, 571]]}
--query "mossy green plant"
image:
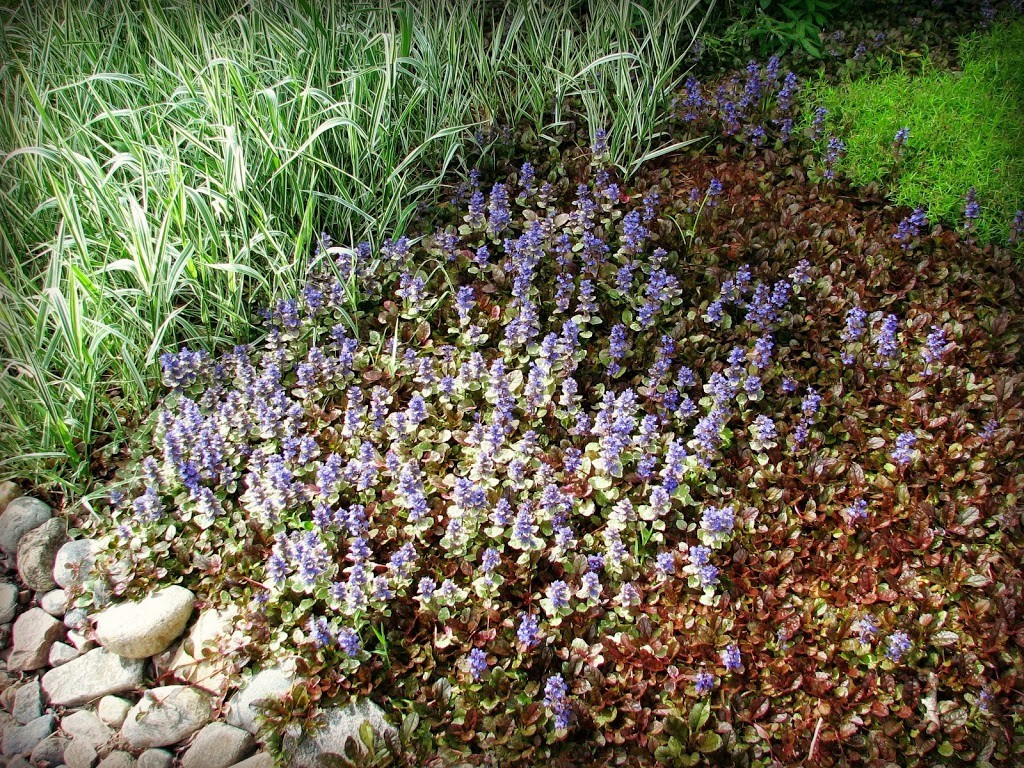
{"points": [[964, 131]]}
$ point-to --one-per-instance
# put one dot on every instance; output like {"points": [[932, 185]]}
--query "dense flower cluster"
{"points": [[534, 454], [911, 228], [754, 108]]}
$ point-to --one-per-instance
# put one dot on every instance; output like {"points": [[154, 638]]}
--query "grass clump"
{"points": [[964, 131]]}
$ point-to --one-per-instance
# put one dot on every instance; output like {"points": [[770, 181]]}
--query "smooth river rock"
{"points": [[80, 754], [73, 561], [22, 739], [8, 492], [85, 726], [143, 628], [218, 745], [62, 653], [28, 702], [166, 715], [259, 760], [34, 632], [112, 710], [55, 602], [340, 723], [21, 516], [96, 674], [8, 602], [118, 759], [196, 660], [272, 682], [156, 758], [49, 753], [37, 552]]}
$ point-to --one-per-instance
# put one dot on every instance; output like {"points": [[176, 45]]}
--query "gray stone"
{"points": [[165, 716], [34, 632], [8, 492], [97, 673], [196, 660], [259, 760], [144, 628], [80, 641], [156, 758], [83, 725], [28, 702], [21, 516], [272, 682], [49, 752], [19, 761], [37, 551], [339, 724], [218, 745], [6, 721], [113, 710], [22, 739], [80, 754], [55, 602], [76, 619], [62, 653], [7, 694], [73, 562], [8, 602], [118, 760]]}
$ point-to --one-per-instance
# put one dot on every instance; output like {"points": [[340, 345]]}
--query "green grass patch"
{"points": [[965, 131]]}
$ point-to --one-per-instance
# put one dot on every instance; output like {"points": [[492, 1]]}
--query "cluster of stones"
{"points": [[76, 690]]}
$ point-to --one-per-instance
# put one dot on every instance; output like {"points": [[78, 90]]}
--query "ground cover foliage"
{"points": [[720, 469]]}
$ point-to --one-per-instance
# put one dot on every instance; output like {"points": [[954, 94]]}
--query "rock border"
{"points": [[73, 690]]}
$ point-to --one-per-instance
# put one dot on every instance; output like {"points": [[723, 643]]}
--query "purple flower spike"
{"points": [[903, 452], [857, 511], [556, 698], [349, 642], [836, 149], [528, 632], [898, 644], [704, 683], [731, 658], [1017, 228], [972, 209], [866, 628], [476, 663]]}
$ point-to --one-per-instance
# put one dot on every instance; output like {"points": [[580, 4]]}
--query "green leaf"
{"points": [[409, 725], [699, 715], [664, 755], [367, 735], [677, 728], [709, 742]]}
